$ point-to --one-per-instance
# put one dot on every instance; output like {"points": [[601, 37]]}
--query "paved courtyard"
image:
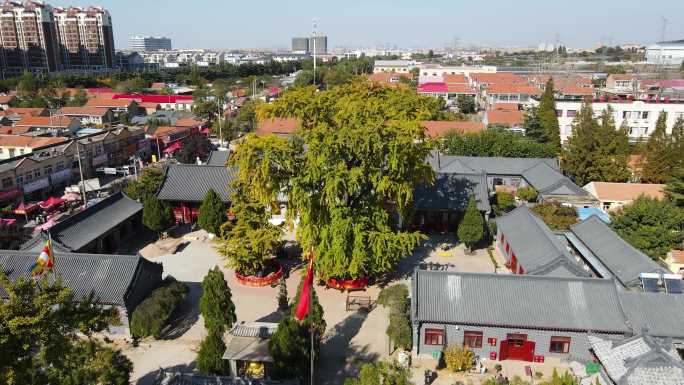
{"points": [[352, 338]]}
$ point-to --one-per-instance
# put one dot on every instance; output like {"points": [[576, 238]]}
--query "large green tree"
{"points": [[347, 174], [580, 150], [41, 329], [471, 229], [212, 213], [652, 226], [674, 190], [533, 126], [495, 142], [157, 215], [610, 156], [381, 373], [248, 243], [548, 117], [148, 183], [466, 104], [216, 304], [659, 157]]}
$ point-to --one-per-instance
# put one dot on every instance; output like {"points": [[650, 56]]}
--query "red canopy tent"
{"points": [[174, 147], [25, 209], [51, 203]]}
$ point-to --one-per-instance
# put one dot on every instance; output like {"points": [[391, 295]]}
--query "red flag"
{"points": [[304, 304]]}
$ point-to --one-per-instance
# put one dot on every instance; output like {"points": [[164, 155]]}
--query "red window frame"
{"points": [[472, 339], [560, 345], [434, 337]]}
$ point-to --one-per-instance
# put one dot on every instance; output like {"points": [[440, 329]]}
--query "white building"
{"points": [[150, 43], [667, 53], [399, 66], [639, 116], [435, 70]]}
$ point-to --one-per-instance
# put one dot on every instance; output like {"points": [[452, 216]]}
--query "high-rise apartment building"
{"points": [[38, 38], [306, 44], [150, 43], [28, 38], [85, 38], [300, 44]]}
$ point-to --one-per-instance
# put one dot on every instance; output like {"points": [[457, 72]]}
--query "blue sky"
{"points": [[415, 23]]}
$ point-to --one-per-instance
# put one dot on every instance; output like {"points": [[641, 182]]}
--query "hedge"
{"points": [[152, 314]]}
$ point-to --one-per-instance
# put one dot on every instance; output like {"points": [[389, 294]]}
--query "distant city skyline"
{"points": [[215, 24]]}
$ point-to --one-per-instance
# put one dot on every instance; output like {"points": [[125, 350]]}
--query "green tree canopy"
{"points": [[555, 215], [347, 174], [194, 146], [212, 213], [674, 191], [216, 304], [157, 215], [471, 229], [547, 116], [39, 342], [380, 373], [466, 104], [290, 348], [149, 181], [495, 142], [659, 157], [210, 355], [533, 126], [248, 244], [652, 226]]}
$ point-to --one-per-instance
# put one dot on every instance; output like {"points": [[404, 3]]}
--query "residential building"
{"points": [[117, 106], [99, 229], [507, 117], [85, 38], [639, 116], [15, 145], [166, 102], [185, 185], [89, 115], [615, 195], [278, 126], [52, 125], [28, 38], [666, 53], [494, 93], [300, 45], [398, 66], [119, 281], [532, 318], [448, 92], [675, 261], [390, 78], [319, 43], [434, 70], [150, 43], [36, 175]]}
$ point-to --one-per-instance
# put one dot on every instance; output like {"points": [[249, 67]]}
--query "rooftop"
{"points": [[218, 158], [44, 121], [510, 118], [452, 192], [437, 128], [189, 183], [607, 191], [29, 141], [278, 126], [111, 103]]}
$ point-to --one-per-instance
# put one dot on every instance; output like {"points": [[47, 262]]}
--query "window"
{"points": [[559, 345], [434, 337], [516, 339], [47, 170], [29, 176], [626, 114], [559, 113], [20, 180], [36, 173], [60, 165], [472, 339], [7, 183], [571, 113], [644, 115]]}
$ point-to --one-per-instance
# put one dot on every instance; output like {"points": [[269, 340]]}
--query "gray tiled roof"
{"points": [[640, 360], [108, 276], [517, 301], [82, 228], [536, 247], [254, 329], [452, 192], [490, 165], [548, 180], [661, 314], [622, 260], [218, 158], [189, 182]]}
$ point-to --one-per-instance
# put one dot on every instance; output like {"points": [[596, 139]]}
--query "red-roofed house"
{"points": [[15, 145], [53, 124], [89, 115], [508, 118], [435, 128], [118, 106], [389, 78], [507, 93], [167, 102], [454, 79], [278, 126], [149, 107], [436, 90]]}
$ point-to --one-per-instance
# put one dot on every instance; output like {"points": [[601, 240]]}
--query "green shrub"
{"points": [[458, 358], [503, 202], [555, 215], [152, 314], [395, 297], [527, 194], [399, 329]]}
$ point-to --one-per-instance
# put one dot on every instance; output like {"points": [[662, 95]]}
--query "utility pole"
{"points": [[218, 116], [315, 26], [80, 170]]}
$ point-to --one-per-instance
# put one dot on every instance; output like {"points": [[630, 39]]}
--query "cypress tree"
{"points": [[611, 155], [216, 303], [533, 127], [659, 159], [283, 304], [157, 215], [212, 213], [547, 116], [471, 229], [578, 155], [674, 191], [210, 355]]}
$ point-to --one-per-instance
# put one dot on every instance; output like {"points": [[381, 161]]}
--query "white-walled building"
{"points": [[441, 70], [399, 66], [667, 52], [640, 116]]}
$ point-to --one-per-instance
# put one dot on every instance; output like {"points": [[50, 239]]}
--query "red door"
{"points": [[517, 347]]}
